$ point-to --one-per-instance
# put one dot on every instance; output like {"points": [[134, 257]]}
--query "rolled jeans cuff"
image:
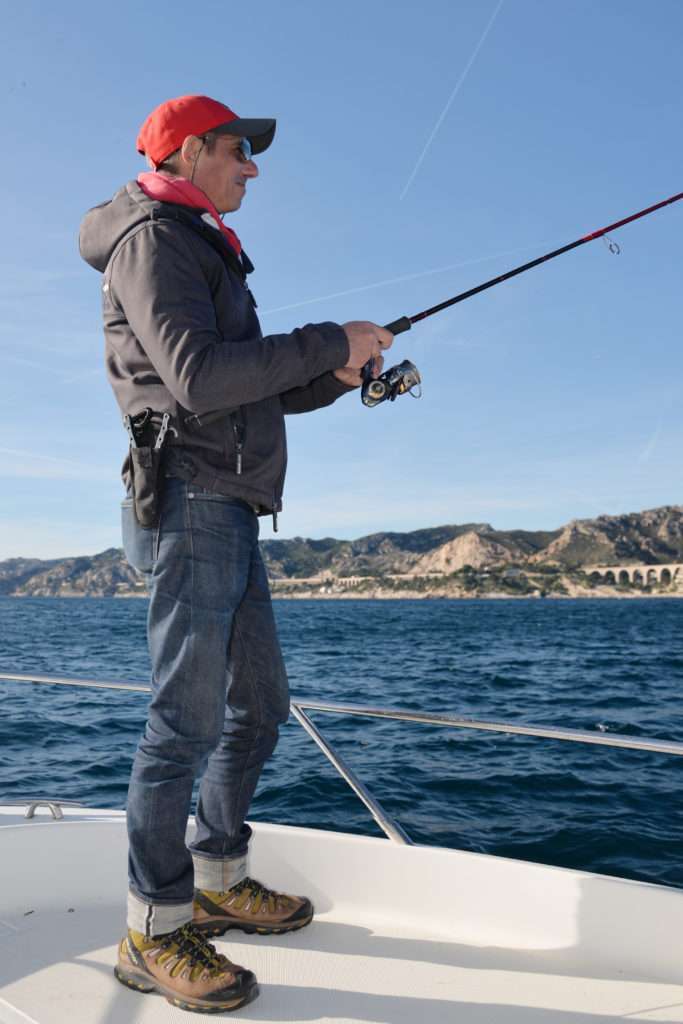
{"points": [[156, 918], [218, 874]]}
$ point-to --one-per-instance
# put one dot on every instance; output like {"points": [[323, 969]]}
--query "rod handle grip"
{"points": [[396, 327], [399, 326]]}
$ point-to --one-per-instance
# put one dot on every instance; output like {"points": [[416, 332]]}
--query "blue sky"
{"points": [[554, 396]]}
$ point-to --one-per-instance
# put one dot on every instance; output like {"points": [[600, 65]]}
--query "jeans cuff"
{"points": [[156, 919], [218, 874]]}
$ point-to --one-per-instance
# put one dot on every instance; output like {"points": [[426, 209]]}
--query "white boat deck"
{"points": [[402, 934]]}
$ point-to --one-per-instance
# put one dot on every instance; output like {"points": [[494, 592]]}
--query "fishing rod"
{"points": [[403, 378]]}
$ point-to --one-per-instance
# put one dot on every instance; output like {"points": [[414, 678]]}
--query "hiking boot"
{"points": [[251, 907], [186, 969]]}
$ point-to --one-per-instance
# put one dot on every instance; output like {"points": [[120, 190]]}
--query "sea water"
{"points": [[597, 665]]}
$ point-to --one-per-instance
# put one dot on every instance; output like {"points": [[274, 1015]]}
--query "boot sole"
{"points": [[211, 928], [145, 984]]}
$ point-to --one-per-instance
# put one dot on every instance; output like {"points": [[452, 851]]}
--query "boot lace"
{"points": [[194, 954], [260, 895]]}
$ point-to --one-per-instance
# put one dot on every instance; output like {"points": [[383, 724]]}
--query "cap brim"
{"points": [[259, 130]]}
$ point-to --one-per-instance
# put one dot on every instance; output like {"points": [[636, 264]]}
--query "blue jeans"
{"points": [[219, 691]]}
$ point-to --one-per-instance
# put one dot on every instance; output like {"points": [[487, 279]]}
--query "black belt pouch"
{"points": [[145, 464]]}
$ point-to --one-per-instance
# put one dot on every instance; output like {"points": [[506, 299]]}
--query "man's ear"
{"points": [[191, 148]]}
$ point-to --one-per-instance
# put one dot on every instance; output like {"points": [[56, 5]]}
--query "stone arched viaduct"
{"points": [[642, 575]]}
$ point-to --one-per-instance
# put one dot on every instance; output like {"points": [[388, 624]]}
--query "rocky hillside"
{"points": [[651, 537], [641, 537], [376, 554], [477, 549], [104, 575]]}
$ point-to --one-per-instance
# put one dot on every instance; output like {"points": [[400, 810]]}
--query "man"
{"points": [[183, 339]]}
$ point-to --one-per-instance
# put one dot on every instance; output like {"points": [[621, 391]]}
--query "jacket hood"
{"points": [[105, 225]]}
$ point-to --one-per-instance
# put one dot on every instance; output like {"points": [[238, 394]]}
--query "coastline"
{"points": [[440, 586], [373, 596], [436, 594], [290, 590]]}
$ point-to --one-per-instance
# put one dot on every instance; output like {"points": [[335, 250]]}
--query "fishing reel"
{"points": [[398, 380]]}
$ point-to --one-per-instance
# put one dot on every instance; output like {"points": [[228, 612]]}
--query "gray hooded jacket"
{"points": [[182, 336]]}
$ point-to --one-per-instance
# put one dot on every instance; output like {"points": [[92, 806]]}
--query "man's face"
{"points": [[223, 173]]}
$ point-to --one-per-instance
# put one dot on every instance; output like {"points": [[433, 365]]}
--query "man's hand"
{"points": [[366, 341], [353, 378]]}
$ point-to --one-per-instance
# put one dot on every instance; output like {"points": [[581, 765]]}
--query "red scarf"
{"points": [[170, 189]]}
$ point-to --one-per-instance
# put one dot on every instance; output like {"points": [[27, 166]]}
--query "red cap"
{"points": [[171, 122]]}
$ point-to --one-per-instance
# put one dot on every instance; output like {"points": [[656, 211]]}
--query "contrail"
{"points": [[44, 458], [27, 362], [646, 452], [404, 277], [99, 372], [69, 379], [455, 92]]}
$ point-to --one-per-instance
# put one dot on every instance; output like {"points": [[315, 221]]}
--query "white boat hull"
{"points": [[402, 934]]}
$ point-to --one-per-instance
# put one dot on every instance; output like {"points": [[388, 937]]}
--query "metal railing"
{"points": [[390, 827]]}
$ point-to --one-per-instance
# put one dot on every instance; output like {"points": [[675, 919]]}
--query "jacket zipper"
{"points": [[277, 490], [238, 435]]}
